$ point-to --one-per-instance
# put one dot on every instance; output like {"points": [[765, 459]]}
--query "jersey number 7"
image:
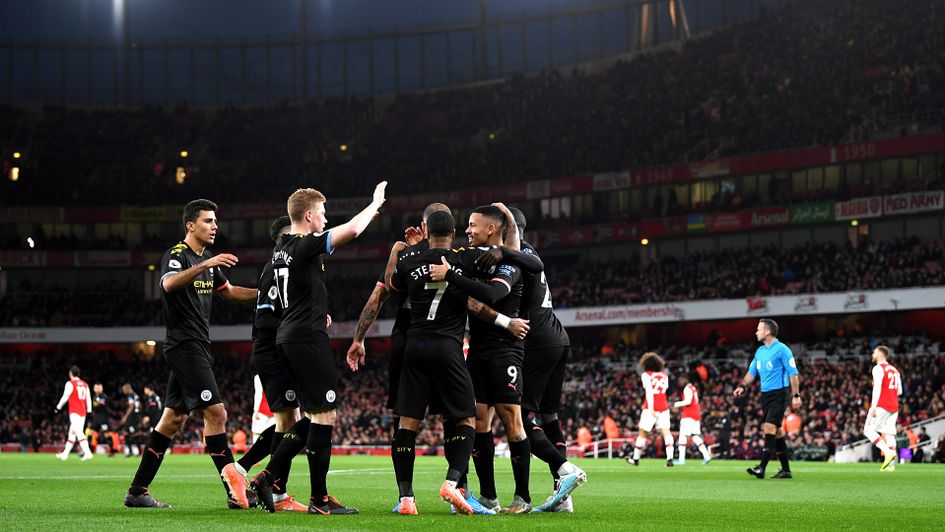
{"points": [[440, 288]]}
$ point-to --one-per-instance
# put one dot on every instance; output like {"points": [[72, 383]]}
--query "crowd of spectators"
{"points": [[803, 74], [602, 383], [731, 273], [749, 272]]}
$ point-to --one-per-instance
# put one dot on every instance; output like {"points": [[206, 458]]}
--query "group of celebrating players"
{"points": [[515, 366]]}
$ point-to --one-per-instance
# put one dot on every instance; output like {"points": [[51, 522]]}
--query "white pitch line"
{"points": [[367, 471]]}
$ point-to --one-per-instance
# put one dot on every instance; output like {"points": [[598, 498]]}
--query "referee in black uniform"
{"points": [[190, 275]]}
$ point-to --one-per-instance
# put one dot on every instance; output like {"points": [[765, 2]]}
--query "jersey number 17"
{"points": [[282, 285]]}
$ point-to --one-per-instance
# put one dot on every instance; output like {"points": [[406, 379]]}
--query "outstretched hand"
{"points": [[413, 235], [223, 259], [379, 192]]}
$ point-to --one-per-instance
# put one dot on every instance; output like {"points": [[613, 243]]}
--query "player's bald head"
{"points": [[432, 208]]}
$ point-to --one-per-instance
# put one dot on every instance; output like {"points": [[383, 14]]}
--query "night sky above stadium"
{"points": [[156, 20]]}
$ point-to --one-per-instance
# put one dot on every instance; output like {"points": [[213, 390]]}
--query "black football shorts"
{"points": [[277, 381], [191, 385], [313, 365], [434, 373]]}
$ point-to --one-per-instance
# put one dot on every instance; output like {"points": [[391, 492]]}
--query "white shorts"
{"points": [[690, 427], [77, 426], [648, 419], [263, 423], [884, 422]]}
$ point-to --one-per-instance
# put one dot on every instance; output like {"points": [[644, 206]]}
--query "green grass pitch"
{"points": [[39, 492]]}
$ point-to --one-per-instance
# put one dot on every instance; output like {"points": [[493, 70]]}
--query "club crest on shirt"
{"points": [[273, 292], [290, 395], [330, 396], [206, 395]]}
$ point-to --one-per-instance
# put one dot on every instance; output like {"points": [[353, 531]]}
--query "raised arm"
{"points": [[392, 259], [511, 237], [368, 315], [350, 230]]}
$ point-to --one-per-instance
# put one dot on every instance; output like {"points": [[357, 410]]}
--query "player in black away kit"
{"points": [[415, 243], [99, 409], [190, 275], [302, 337], [434, 371], [153, 407], [130, 423], [277, 382], [496, 363], [100, 421], [399, 252], [546, 353]]}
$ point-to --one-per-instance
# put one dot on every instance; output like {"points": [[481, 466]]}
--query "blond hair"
{"points": [[302, 200]]}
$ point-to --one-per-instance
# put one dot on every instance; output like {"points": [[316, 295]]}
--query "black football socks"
{"points": [[318, 450], [260, 450], [484, 461], [404, 454], [458, 448], [151, 460], [521, 454]]}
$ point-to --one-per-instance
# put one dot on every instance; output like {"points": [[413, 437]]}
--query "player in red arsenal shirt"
{"points": [[690, 424], [76, 393], [884, 407], [656, 407]]}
